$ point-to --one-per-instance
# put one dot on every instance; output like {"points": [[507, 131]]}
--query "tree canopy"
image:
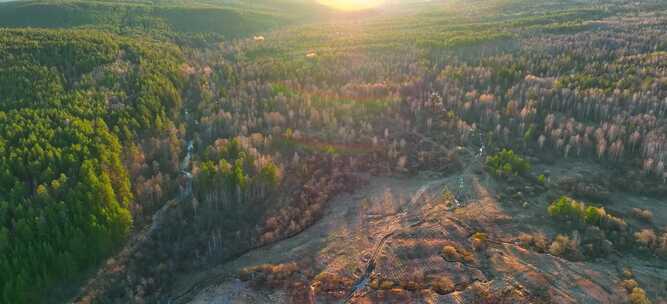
{"points": [[69, 100]]}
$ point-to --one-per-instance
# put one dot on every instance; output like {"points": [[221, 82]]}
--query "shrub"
{"points": [[563, 246], [594, 216], [537, 240], [450, 253], [643, 214], [409, 285], [662, 245], [443, 285], [526, 239], [329, 281], [506, 163], [374, 283], [638, 296], [386, 284], [542, 179], [629, 284], [568, 209], [457, 254], [627, 273], [646, 238], [479, 240], [541, 242], [558, 246], [269, 274], [614, 223]]}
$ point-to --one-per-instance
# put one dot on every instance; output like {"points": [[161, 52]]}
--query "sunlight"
{"points": [[351, 5]]}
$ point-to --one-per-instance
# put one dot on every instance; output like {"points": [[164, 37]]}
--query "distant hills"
{"points": [[229, 18]]}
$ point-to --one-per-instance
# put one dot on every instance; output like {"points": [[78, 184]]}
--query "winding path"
{"points": [[363, 280]]}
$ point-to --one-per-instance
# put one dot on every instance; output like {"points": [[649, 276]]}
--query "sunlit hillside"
{"points": [[161, 18]]}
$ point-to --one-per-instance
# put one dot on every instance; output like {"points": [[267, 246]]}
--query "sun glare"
{"points": [[351, 5]]}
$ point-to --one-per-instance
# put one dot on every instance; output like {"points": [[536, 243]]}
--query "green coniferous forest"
{"points": [[70, 101]]}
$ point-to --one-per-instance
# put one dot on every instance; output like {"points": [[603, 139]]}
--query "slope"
{"points": [[129, 17]]}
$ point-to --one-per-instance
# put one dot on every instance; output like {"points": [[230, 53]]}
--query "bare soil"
{"points": [[399, 226]]}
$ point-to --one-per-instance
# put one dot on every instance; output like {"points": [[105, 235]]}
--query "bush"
{"points": [[646, 238], [374, 283], [629, 284], [662, 245], [526, 239], [328, 281], [628, 274], [386, 284], [537, 240], [269, 274], [454, 254], [443, 285], [564, 247], [507, 163], [479, 240], [638, 296], [450, 253], [568, 209], [542, 179], [643, 214], [540, 241]]}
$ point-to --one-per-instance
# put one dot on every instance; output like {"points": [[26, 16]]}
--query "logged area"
{"points": [[298, 151]]}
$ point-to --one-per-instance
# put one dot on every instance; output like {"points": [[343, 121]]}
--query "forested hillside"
{"points": [[140, 17], [92, 128], [70, 101]]}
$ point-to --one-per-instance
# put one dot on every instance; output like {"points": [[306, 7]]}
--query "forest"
{"points": [[144, 143], [71, 101]]}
